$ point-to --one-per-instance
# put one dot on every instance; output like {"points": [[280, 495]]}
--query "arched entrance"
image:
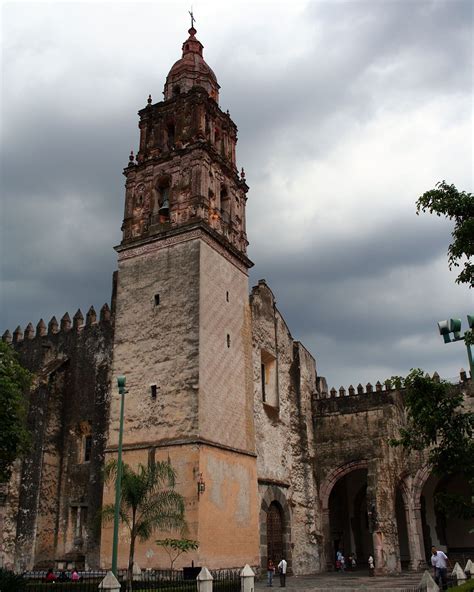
{"points": [[275, 527], [450, 533], [349, 526], [275, 532]]}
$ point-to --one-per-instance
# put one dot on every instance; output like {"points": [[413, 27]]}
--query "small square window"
{"points": [[157, 299]]}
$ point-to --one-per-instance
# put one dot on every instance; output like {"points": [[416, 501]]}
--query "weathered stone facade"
{"points": [[216, 383]]}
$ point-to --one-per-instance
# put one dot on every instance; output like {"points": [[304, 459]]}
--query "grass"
{"points": [[466, 587]]}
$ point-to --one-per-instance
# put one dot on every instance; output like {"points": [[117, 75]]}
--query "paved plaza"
{"points": [[344, 582]]}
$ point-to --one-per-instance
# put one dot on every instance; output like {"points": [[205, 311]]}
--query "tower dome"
{"points": [[191, 70]]}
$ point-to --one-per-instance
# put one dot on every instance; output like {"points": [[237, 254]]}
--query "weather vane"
{"points": [[193, 20]]}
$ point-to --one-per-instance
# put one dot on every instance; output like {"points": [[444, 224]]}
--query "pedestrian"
{"points": [[439, 561], [75, 576], [340, 561], [50, 576], [371, 564], [270, 572], [282, 569], [353, 561]]}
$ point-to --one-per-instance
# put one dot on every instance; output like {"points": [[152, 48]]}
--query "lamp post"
{"points": [[118, 479], [454, 326]]}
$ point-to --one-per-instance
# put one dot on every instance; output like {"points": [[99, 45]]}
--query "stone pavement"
{"points": [[346, 582]]}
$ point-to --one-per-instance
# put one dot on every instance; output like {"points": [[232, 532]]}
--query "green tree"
{"points": [[148, 502], [438, 422], [176, 547], [14, 436], [456, 205]]}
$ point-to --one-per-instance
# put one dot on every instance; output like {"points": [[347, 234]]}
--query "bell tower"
{"points": [[182, 322]]}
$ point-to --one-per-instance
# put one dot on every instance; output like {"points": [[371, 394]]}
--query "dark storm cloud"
{"points": [[310, 86]]}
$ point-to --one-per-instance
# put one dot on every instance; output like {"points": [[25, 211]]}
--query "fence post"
{"points": [[427, 583], [110, 583], [204, 580], [247, 579]]}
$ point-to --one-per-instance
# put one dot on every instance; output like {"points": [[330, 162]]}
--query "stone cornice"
{"points": [[183, 234], [180, 442]]}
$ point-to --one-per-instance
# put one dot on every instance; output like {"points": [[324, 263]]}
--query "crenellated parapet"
{"points": [[53, 328], [379, 388]]}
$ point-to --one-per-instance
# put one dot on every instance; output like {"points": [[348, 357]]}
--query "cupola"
{"points": [[191, 70]]}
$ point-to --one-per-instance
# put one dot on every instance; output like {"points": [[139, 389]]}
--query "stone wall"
{"points": [[286, 371], [67, 405]]}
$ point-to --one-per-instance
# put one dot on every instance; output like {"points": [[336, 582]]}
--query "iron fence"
{"points": [[224, 580]]}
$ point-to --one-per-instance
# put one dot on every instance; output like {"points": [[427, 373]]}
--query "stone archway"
{"points": [[353, 533], [275, 515]]}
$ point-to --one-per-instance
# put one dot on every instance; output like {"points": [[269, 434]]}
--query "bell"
{"points": [[165, 208]]}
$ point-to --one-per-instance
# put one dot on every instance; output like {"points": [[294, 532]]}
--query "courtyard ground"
{"points": [[345, 582]]}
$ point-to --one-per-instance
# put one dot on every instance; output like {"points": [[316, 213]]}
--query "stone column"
{"points": [[328, 550], [416, 555]]}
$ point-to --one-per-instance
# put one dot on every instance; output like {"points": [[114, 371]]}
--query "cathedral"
{"points": [[270, 462]]}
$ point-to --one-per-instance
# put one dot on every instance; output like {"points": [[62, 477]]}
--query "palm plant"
{"points": [[148, 502]]}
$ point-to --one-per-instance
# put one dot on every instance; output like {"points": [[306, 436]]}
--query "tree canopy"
{"points": [[446, 200], [438, 422], [176, 547], [14, 436], [148, 502]]}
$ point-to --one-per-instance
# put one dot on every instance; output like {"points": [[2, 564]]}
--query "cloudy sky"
{"points": [[347, 112]]}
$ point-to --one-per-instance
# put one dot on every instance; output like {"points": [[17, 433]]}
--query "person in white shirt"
{"points": [[439, 561], [282, 568]]}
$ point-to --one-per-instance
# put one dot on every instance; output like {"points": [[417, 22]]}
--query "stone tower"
{"points": [[182, 328]]}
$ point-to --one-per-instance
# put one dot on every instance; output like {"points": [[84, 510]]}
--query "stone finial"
{"points": [[29, 331], [66, 322], [91, 316], [136, 572], [378, 386], [436, 377], [458, 572], [204, 580], [131, 158], [427, 583], [351, 390], [17, 335], [7, 337], [369, 388], [333, 392], [77, 319], [342, 391], [110, 583], [242, 174], [149, 100], [41, 328], [360, 389], [105, 313], [247, 579], [53, 326], [462, 375]]}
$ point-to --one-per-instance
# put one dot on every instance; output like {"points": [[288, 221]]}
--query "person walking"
{"points": [[282, 569], [439, 561], [270, 572], [371, 564]]}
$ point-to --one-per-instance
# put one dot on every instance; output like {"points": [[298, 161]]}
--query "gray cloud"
{"points": [[347, 111]]}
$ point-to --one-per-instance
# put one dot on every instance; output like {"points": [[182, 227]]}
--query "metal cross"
{"points": [[192, 17]]}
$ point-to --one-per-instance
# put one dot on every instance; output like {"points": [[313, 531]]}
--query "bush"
{"points": [[10, 582], [466, 587]]}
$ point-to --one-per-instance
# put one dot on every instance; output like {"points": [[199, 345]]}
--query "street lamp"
{"points": [[118, 480], [454, 326]]}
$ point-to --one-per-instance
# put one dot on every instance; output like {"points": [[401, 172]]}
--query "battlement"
{"points": [[54, 328], [386, 387]]}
